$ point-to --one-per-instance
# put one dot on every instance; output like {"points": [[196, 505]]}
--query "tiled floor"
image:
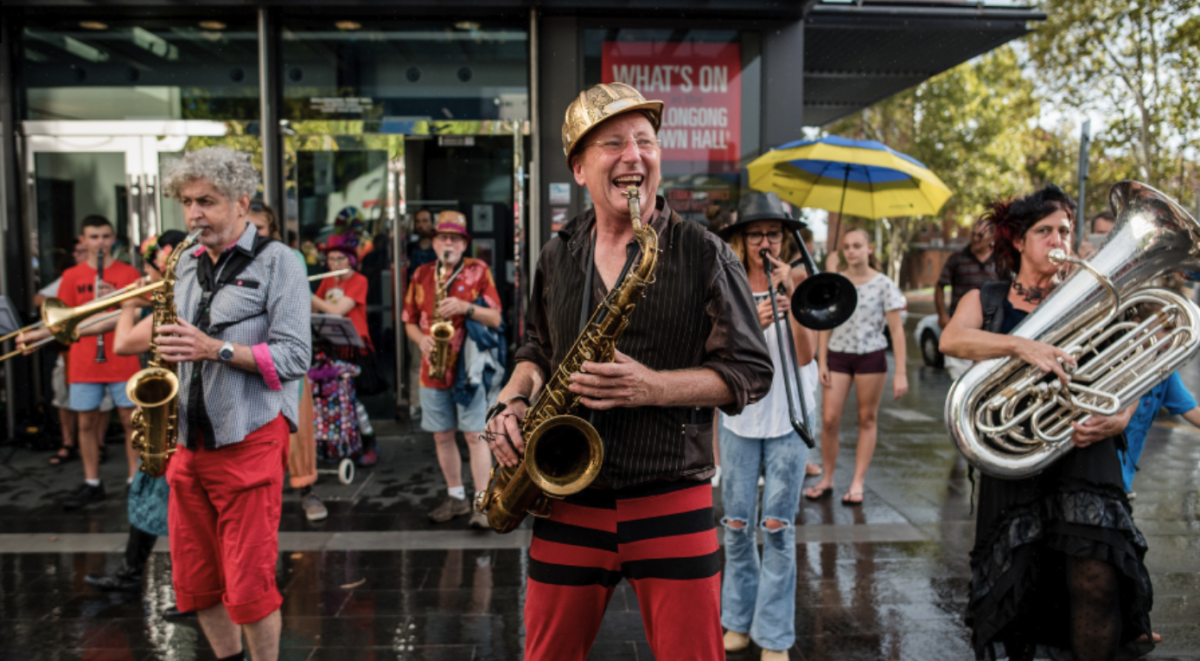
{"points": [[884, 581]]}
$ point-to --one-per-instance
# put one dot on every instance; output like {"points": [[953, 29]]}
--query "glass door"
{"points": [[111, 169], [384, 173], [336, 182], [72, 177]]}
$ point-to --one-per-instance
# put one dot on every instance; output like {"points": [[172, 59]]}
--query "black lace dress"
{"points": [[1019, 604]]}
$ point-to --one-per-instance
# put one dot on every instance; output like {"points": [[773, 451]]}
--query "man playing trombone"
{"points": [[91, 370]]}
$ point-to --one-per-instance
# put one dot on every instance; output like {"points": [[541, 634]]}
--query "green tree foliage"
{"points": [[1136, 62], [970, 126]]}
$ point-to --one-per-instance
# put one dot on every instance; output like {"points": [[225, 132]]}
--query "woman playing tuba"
{"points": [[1057, 562]]}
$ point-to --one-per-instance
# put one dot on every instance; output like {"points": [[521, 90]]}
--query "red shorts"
{"points": [[223, 520], [858, 363]]}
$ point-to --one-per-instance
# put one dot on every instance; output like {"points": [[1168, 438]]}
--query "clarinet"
{"points": [[100, 357]]}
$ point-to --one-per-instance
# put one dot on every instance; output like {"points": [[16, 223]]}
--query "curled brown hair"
{"points": [[1013, 218]]}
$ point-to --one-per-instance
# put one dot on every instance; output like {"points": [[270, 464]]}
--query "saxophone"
{"points": [[441, 330], [563, 452], [155, 389]]}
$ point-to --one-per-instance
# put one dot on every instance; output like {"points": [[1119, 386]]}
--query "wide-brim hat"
{"points": [[600, 103], [760, 206], [451, 222], [346, 243]]}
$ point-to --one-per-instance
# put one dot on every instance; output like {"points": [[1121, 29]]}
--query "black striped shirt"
{"points": [[698, 312]]}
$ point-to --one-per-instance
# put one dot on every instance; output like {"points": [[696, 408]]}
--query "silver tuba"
{"points": [[1011, 420]]}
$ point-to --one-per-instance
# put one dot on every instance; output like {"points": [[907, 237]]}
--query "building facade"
{"points": [[376, 110]]}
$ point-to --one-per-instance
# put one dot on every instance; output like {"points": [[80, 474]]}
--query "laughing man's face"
{"points": [[607, 175]]}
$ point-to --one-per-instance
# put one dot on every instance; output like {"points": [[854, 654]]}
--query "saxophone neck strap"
{"points": [[214, 277], [585, 306]]}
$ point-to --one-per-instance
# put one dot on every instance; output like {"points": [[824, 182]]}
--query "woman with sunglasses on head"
{"points": [[1057, 568], [758, 598], [855, 354]]}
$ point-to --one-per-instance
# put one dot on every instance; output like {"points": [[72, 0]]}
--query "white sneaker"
{"points": [[736, 642], [716, 478], [762, 481]]}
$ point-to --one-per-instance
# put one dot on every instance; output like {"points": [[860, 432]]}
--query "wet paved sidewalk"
{"points": [[377, 581]]}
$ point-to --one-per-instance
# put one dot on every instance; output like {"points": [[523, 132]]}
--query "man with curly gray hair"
{"points": [[242, 342]]}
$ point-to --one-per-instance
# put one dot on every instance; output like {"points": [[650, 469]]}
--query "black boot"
{"points": [[127, 577], [124, 579]]}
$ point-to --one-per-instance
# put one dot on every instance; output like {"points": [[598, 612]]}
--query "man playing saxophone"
{"points": [[692, 344], [452, 290], [241, 340]]}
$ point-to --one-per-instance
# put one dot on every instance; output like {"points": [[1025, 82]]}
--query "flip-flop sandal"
{"points": [[821, 495], [852, 503], [812, 470], [59, 458]]}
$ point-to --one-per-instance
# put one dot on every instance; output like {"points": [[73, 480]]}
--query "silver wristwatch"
{"points": [[226, 352]]}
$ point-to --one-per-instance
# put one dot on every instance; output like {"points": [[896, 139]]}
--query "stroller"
{"points": [[340, 420]]}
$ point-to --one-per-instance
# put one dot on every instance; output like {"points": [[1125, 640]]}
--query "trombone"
{"points": [[65, 323], [822, 302]]}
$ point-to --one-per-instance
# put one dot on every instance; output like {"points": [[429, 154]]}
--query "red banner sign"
{"points": [[701, 85]]}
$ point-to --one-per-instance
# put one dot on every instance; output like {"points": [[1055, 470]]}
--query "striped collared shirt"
{"points": [[267, 307]]}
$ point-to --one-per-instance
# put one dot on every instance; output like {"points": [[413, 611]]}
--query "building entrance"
{"points": [[377, 176]]}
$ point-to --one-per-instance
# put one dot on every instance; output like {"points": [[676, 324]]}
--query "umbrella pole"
{"points": [[838, 228]]}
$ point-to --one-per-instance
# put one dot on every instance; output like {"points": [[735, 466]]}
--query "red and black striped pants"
{"points": [[660, 538]]}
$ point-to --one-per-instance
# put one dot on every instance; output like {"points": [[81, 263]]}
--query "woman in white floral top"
{"points": [[855, 354]]}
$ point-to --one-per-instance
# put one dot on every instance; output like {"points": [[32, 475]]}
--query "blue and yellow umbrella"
{"points": [[857, 177]]}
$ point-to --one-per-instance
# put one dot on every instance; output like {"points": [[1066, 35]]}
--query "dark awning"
{"points": [[858, 54]]}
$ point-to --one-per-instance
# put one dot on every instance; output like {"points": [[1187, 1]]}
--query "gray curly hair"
{"points": [[229, 171]]}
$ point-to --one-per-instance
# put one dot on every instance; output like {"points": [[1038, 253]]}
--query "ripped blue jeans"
{"points": [[759, 597]]}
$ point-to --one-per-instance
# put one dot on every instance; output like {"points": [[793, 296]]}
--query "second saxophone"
{"points": [[441, 330]]}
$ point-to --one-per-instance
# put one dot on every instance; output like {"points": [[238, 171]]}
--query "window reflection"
{"points": [[404, 70], [85, 69]]}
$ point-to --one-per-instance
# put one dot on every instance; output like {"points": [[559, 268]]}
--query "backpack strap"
{"points": [[991, 299]]}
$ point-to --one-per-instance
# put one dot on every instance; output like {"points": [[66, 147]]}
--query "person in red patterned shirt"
{"points": [[470, 294]]}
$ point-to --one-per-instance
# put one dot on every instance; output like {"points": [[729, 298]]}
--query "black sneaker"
{"points": [[173, 613], [124, 579], [84, 495]]}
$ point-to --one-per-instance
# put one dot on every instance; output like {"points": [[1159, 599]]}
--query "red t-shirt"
{"points": [[354, 288], [78, 287], [473, 281]]}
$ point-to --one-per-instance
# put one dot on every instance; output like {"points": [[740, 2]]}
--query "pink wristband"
{"points": [[266, 366]]}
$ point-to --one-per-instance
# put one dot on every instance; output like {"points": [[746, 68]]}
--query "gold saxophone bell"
{"points": [[156, 389]]}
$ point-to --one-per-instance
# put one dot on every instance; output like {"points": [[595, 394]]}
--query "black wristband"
{"points": [[494, 411]]}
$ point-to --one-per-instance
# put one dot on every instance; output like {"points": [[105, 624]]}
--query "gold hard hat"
{"points": [[602, 102]]}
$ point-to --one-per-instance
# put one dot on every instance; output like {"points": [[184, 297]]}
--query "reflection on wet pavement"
{"points": [[884, 581]]}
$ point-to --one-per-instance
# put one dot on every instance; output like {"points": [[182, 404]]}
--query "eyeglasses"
{"points": [[615, 146], [256, 205], [755, 238]]}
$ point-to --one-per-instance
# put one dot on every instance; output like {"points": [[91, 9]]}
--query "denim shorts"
{"points": [[88, 396], [439, 411]]}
